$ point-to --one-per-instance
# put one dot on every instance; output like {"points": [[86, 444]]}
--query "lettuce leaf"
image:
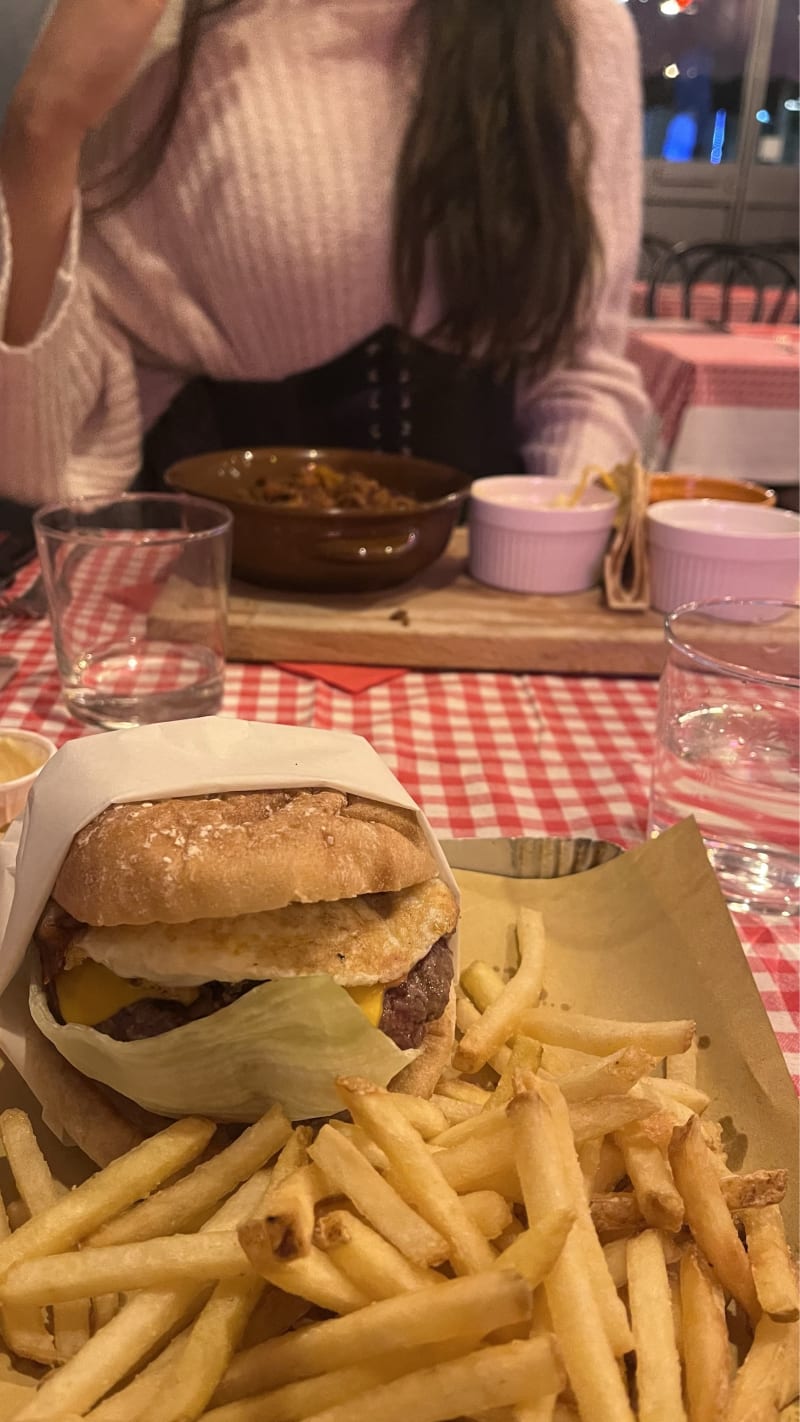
{"points": [[285, 1041]]}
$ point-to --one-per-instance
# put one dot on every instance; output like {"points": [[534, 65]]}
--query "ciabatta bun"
{"points": [[218, 856]]}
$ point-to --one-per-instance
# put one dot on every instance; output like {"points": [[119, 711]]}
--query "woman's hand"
{"points": [[82, 65]]}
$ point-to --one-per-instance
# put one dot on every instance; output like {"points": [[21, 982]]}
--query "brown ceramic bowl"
{"points": [[331, 550], [696, 486]]}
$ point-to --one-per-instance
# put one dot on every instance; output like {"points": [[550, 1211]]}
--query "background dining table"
{"points": [[727, 400], [483, 753], [705, 302]]}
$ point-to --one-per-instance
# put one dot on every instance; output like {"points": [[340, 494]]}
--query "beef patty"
{"points": [[407, 1006], [418, 999]]}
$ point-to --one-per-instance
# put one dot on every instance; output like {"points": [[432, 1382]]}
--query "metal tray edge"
{"points": [[529, 857]]}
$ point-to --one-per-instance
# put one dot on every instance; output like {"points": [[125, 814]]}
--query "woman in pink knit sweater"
{"points": [[384, 223]]}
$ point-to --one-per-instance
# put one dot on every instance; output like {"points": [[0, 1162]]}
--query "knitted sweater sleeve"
{"points": [[133, 313], [69, 402], [592, 411]]}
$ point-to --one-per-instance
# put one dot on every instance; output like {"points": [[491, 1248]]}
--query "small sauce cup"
{"points": [[526, 535], [22, 756], [709, 549]]}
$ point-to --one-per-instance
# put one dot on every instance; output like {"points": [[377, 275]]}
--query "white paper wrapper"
{"points": [[180, 758]]}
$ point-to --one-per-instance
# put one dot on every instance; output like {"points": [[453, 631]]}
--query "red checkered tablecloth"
{"points": [[706, 301], [750, 366], [482, 753]]}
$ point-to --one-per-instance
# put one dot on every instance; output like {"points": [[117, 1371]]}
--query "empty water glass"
{"points": [[137, 589]]}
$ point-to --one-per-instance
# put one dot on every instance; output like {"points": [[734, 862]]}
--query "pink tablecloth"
{"points": [[482, 753], [707, 301], [751, 366]]}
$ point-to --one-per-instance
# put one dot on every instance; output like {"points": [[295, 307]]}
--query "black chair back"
{"points": [[651, 252], [759, 269]]}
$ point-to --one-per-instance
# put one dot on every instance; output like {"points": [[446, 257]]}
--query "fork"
{"points": [[31, 604]]}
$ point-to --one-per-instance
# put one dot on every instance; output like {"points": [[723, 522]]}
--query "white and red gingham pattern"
{"points": [[706, 304], [483, 754], [107, 587], [753, 366]]}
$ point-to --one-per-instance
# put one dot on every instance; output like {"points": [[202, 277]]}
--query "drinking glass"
{"points": [[137, 589], [728, 745]]}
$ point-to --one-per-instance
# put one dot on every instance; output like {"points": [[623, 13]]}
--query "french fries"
{"points": [[502, 1016], [608, 1077], [454, 1112], [289, 1211], [425, 1187], [192, 1198], [145, 1319], [709, 1216], [620, 1209], [525, 1055], [463, 1309], [670, 1091], [683, 1067], [610, 1168], [313, 1394], [211, 1344], [658, 1372], [274, 1314], [361, 1140], [313, 1275], [592, 1120], [599, 1037], [371, 1263], [83, 1209], [590, 1363], [351, 1173], [489, 1211], [482, 984], [23, 1330], [481, 1162], [478, 1252], [467, 1015], [774, 1274], [499, 1376], [467, 1091], [534, 1252], [651, 1177], [133, 1401], [424, 1116], [175, 1259], [704, 1334], [611, 1308], [756, 1390]]}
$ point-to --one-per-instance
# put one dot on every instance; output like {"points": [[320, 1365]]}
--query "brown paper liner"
{"points": [[648, 935]]}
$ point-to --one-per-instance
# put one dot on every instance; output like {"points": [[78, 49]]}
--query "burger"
{"points": [[219, 953]]}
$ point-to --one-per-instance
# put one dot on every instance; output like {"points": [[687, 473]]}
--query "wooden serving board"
{"points": [[445, 619]]}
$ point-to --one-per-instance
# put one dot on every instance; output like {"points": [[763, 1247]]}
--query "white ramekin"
{"points": [[520, 541], [707, 548], [14, 793]]}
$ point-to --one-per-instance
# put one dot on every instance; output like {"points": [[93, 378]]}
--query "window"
{"points": [[779, 119], [722, 110], [694, 60]]}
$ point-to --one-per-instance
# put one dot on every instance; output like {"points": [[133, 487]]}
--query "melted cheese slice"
{"points": [[370, 1000], [90, 993]]}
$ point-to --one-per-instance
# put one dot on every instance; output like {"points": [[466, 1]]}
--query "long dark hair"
{"points": [[491, 191]]}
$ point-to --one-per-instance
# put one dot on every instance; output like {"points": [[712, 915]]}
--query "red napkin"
{"points": [[353, 679]]}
